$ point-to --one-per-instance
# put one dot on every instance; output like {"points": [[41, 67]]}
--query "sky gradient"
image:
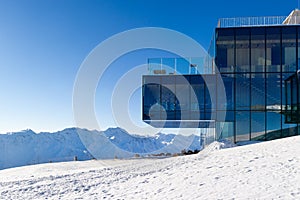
{"points": [[43, 43]]}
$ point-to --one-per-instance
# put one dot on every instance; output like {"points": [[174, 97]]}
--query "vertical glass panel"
{"points": [[273, 128], [197, 65], [242, 126], [273, 56], [182, 89], [210, 93], [168, 64], [197, 97], [289, 49], [258, 52], [151, 98], [242, 50], [227, 116], [225, 50], [154, 66], [294, 90], [168, 98], [294, 94], [226, 103], [288, 100], [225, 130], [182, 66], [273, 93], [242, 92], [258, 91], [288, 129], [258, 126], [290, 97], [298, 56]]}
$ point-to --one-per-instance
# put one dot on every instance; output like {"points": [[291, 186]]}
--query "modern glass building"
{"points": [[256, 65]]}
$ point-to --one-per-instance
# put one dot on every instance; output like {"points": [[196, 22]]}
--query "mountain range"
{"points": [[27, 147]]}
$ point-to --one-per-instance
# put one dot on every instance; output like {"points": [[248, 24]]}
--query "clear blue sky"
{"points": [[43, 43]]}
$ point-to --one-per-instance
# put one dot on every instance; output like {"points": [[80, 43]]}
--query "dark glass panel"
{"points": [[258, 91], [242, 50], [289, 49], [298, 56], [273, 61], [197, 95], [151, 97], [210, 116], [168, 97], [226, 103], [151, 101], [288, 101], [227, 116], [242, 126], [273, 126], [273, 93], [258, 51], [182, 89], [288, 129], [258, 125], [225, 50], [210, 93], [242, 92]]}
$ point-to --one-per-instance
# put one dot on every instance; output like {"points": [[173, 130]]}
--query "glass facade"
{"points": [[258, 67]]}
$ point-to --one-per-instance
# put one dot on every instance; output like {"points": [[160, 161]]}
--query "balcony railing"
{"points": [[258, 21], [172, 66]]}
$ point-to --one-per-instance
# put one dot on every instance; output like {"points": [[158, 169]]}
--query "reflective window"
{"points": [[298, 57], [273, 93], [273, 61], [226, 102], [182, 89], [197, 97], [225, 50], [258, 93], [242, 126], [273, 126], [225, 130], [168, 97], [288, 129], [242, 50], [258, 55], [210, 93], [289, 49], [258, 126], [242, 98], [151, 98]]}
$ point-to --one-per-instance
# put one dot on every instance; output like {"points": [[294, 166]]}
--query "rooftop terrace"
{"points": [[292, 19]]}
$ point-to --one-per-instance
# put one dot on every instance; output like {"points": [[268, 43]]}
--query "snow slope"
{"points": [[27, 147], [267, 170]]}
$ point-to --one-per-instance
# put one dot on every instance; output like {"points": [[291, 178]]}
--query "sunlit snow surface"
{"points": [[268, 170]]}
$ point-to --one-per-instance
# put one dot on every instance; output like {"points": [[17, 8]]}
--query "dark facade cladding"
{"points": [[258, 66]]}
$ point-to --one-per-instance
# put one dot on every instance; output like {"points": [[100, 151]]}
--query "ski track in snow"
{"points": [[269, 170]]}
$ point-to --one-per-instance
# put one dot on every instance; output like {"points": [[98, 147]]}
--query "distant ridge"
{"points": [[27, 147]]}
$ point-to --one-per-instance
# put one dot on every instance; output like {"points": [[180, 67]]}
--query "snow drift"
{"points": [[267, 170]]}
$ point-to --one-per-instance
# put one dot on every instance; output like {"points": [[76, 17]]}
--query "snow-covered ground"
{"points": [[268, 170]]}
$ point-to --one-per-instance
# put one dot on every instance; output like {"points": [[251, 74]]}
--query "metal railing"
{"points": [[172, 66], [258, 21]]}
